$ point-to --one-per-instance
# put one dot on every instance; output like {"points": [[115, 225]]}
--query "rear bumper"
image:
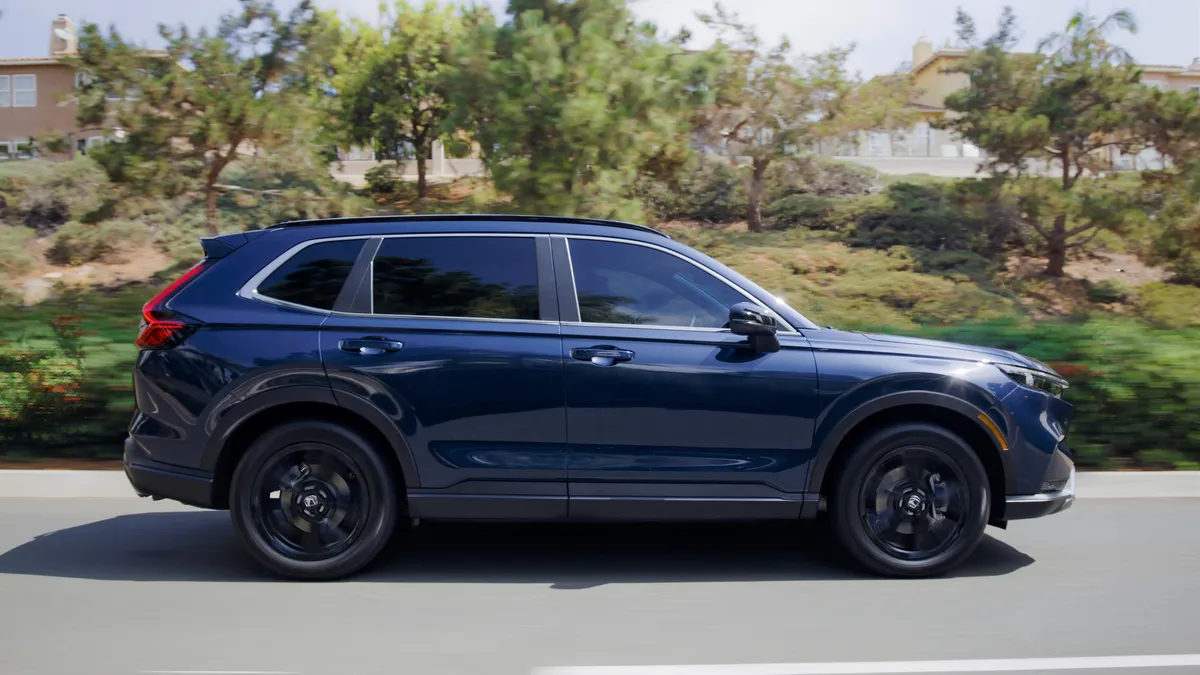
{"points": [[164, 481], [1043, 504]]}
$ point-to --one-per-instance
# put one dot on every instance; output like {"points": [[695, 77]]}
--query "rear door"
{"points": [[456, 339]]}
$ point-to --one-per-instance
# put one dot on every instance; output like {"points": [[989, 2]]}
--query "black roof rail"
{"points": [[474, 217]]}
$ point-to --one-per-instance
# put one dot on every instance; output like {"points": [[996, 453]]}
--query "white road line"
{"points": [[218, 672], [892, 667]]}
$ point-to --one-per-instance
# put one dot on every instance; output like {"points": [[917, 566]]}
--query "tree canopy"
{"points": [[393, 82], [185, 114], [569, 100], [1063, 112]]}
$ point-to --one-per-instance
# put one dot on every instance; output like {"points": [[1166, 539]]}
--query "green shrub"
{"points": [[14, 259], [1107, 291], [917, 215], [820, 176], [800, 210], [45, 195], [383, 180], [1169, 305], [707, 189], [76, 243]]}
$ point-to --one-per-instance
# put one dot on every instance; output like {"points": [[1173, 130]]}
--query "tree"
{"points": [[1083, 30], [569, 100], [771, 106], [184, 115], [392, 83], [1064, 110]]}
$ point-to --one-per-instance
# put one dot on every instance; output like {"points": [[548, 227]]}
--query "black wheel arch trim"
{"points": [[829, 445], [239, 413]]}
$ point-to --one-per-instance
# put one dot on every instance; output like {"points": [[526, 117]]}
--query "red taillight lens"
{"points": [[159, 329]]}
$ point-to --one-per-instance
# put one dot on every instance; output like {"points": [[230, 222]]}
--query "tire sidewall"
{"points": [[382, 509], [845, 507]]}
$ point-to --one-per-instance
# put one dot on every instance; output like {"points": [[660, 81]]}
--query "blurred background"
{"points": [[1022, 177]]}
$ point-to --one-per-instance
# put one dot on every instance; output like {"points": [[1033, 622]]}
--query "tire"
{"points": [[887, 500], [313, 500]]}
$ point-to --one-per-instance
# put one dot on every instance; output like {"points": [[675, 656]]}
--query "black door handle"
{"points": [[601, 356], [370, 345]]}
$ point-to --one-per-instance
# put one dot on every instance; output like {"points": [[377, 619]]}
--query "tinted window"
{"points": [[314, 276], [631, 284], [481, 277]]}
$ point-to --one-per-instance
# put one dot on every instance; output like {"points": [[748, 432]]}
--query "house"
{"points": [[36, 97], [925, 149]]}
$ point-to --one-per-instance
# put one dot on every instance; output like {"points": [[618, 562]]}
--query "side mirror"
{"points": [[753, 321]]}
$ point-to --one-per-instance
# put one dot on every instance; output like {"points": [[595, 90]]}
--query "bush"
{"points": [[14, 259], [76, 243], [45, 195], [707, 189], [819, 176], [1106, 292], [800, 210], [383, 180], [965, 215], [915, 215], [1169, 305]]}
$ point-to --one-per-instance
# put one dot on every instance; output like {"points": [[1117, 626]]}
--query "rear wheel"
{"points": [[911, 501], [313, 500]]}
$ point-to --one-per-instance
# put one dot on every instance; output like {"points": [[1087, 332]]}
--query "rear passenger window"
{"points": [[477, 277], [314, 276]]}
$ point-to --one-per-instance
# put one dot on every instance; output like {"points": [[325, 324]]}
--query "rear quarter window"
{"points": [[314, 276]]}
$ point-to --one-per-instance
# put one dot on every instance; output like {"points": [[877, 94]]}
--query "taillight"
{"points": [[162, 329]]}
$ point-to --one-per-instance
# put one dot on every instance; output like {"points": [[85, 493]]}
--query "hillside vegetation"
{"points": [[1129, 341]]}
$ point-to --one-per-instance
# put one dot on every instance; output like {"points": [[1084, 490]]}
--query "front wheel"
{"points": [[313, 500], [911, 501]]}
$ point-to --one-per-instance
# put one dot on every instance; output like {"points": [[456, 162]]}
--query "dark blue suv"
{"points": [[328, 381]]}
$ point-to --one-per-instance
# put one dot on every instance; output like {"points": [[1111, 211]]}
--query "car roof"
{"points": [[474, 222]]}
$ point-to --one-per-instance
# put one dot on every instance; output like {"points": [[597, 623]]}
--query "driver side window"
{"points": [[621, 283]]}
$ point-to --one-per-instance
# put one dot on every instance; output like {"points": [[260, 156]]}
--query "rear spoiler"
{"points": [[223, 245]]}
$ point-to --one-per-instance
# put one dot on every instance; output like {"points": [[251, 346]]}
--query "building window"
{"points": [[24, 91], [5, 94], [1194, 88], [22, 149]]}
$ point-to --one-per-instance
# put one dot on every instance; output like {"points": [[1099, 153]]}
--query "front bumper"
{"points": [[164, 481], [1043, 504]]}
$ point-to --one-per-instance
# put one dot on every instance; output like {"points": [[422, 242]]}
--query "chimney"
{"points": [[63, 38], [922, 51], [1195, 64]]}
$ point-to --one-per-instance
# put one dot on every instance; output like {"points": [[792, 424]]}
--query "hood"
{"points": [[985, 353]]}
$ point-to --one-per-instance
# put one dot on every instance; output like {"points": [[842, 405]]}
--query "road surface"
{"points": [[107, 586]]}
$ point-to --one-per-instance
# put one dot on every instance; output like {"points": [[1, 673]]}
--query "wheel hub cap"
{"points": [[913, 502], [315, 501]]}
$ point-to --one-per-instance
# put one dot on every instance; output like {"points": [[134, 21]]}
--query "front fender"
{"points": [[941, 391]]}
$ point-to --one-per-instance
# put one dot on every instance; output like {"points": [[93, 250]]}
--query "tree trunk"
{"points": [[210, 209], [755, 194], [422, 188], [1056, 247]]}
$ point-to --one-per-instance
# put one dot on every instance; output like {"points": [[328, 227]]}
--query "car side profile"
{"points": [[330, 381]]}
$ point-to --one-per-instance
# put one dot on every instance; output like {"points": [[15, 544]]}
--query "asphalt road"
{"points": [[108, 586]]}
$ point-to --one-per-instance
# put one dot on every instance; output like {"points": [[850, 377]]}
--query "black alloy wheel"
{"points": [[310, 501], [912, 500], [313, 500]]}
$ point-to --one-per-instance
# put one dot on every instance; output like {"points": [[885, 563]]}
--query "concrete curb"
{"points": [[17, 483]]}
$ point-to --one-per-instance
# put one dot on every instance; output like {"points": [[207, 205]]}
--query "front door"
{"points": [[668, 413], [456, 340]]}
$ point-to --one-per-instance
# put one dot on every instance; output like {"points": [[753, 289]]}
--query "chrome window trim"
{"points": [[635, 242], [249, 290]]}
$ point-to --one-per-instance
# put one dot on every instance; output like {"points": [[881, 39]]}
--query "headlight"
{"points": [[1036, 379]]}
